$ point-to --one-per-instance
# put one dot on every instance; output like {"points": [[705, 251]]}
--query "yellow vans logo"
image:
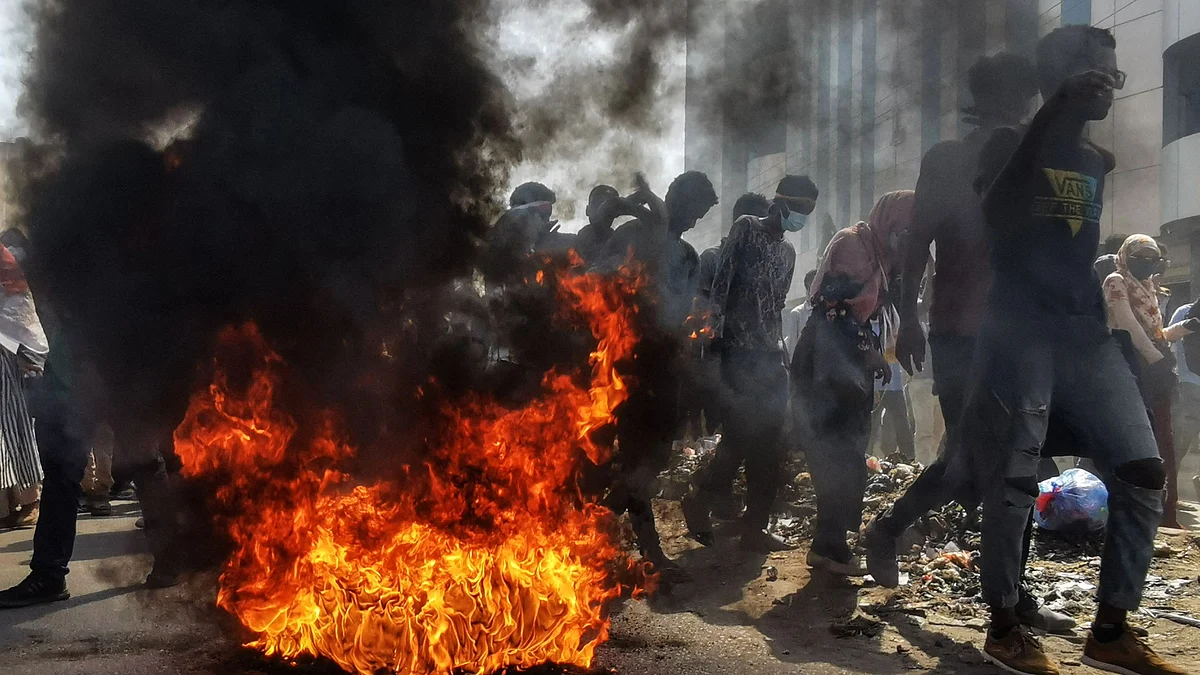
{"points": [[1074, 199]]}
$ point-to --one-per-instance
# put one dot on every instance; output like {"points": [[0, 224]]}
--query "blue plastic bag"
{"points": [[1076, 500]]}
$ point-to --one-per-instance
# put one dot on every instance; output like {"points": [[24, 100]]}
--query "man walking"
{"points": [[1044, 345], [748, 296]]}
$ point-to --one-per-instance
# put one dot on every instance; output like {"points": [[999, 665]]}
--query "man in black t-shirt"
{"points": [[1044, 345]]}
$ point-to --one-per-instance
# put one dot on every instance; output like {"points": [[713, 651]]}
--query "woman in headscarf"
{"points": [[1132, 297], [834, 367], [23, 349]]}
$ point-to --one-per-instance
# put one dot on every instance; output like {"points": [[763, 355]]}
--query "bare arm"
{"points": [[929, 207]]}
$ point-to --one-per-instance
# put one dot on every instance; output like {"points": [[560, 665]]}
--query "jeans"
{"points": [[755, 413], [1077, 369], [64, 435]]}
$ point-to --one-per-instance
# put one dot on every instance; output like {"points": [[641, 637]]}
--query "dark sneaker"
{"points": [[761, 541], [36, 589], [1018, 652], [881, 557], [695, 513], [100, 508], [1047, 621], [163, 575], [1128, 655], [851, 567]]}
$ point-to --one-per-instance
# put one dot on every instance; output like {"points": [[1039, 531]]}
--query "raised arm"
{"points": [[1007, 185]]}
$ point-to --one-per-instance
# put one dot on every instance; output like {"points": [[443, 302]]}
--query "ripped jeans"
{"points": [[1080, 372]]}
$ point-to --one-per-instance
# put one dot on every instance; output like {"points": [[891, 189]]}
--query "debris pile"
{"points": [[939, 554]]}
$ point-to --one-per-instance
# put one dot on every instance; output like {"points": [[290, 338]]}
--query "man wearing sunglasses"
{"points": [[1044, 345]]}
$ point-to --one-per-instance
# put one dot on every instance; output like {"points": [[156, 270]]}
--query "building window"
{"points": [[1077, 12], [1181, 90]]}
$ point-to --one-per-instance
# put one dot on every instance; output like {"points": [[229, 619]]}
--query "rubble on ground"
{"points": [[939, 559]]}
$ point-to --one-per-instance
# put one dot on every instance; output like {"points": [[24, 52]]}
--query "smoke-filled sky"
{"points": [[12, 46], [534, 48], [545, 50]]}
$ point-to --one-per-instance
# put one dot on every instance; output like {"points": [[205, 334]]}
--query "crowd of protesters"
{"points": [[1039, 347]]}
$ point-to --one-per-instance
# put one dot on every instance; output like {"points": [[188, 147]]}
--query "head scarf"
{"points": [[864, 253], [11, 277], [19, 324], [1143, 295]]}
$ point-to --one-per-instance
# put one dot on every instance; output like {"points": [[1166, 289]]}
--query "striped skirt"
{"points": [[19, 463]]}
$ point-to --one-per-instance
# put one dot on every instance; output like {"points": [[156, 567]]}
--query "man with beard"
{"points": [[749, 292], [648, 421], [1044, 345]]}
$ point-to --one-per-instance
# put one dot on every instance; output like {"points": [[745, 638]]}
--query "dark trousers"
{"points": [[1085, 378], [837, 462], [703, 392], [647, 423], [756, 384], [64, 443], [951, 356], [1160, 399]]}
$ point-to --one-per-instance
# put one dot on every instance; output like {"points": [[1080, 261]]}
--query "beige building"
{"points": [[869, 85]]}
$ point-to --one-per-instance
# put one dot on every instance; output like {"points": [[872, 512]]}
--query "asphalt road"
{"points": [[733, 619], [113, 626]]}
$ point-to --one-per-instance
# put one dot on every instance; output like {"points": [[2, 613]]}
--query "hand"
{"points": [[885, 376], [1084, 88], [640, 182], [1192, 325], [910, 347], [30, 367], [878, 366]]}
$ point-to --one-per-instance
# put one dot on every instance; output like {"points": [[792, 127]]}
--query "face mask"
{"points": [[1142, 269], [795, 221]]}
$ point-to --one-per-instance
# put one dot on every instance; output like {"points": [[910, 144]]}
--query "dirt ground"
{"points": [[730, 619]]}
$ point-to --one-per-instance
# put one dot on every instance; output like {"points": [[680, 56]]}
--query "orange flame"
{"points": [[484, 559], [700, 323]]}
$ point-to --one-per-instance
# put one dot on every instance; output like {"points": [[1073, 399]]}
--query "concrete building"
{"points": [[853, 92]]}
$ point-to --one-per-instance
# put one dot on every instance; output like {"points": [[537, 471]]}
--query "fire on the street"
{"points": [[484, 557]]}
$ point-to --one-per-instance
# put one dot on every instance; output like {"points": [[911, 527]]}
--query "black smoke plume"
{"points": [[302, 163]]}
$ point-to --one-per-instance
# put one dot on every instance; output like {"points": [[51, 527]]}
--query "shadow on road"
{"points": [[93, 545]]}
